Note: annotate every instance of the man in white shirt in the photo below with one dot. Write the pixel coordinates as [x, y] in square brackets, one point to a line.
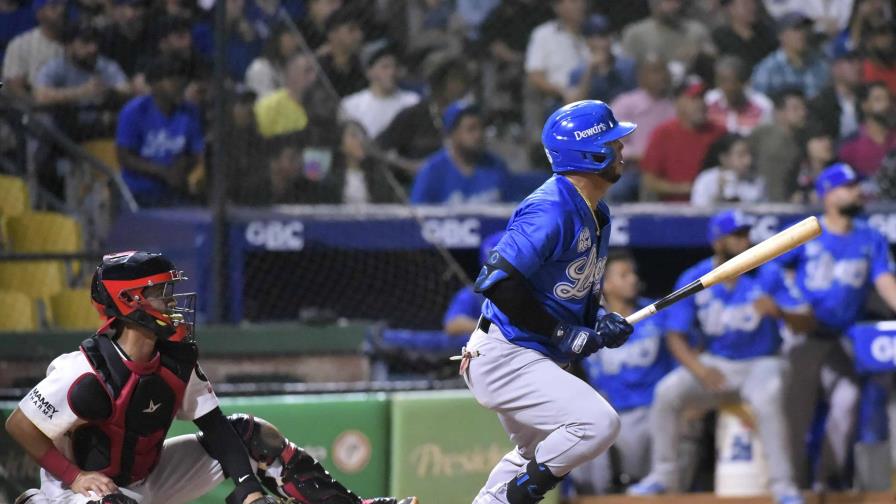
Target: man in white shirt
[375, 106]
[29, 51]
[556, 48]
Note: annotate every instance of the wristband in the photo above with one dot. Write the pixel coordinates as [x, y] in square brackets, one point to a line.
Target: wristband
[56, 464]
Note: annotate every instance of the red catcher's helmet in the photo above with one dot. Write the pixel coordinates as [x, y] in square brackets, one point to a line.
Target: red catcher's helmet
[117, 292]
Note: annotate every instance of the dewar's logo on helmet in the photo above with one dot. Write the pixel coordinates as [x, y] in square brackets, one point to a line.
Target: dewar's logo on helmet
[597, 128]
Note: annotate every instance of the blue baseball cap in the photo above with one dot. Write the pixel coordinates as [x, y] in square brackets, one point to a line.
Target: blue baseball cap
[728, 222]
[835, 175]
[454, 112]
[40, 4]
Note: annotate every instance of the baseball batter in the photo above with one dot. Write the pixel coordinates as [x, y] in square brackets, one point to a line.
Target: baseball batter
[626, 377]
[738, 323]
[836, 272]
[97, 423]
[542, 284]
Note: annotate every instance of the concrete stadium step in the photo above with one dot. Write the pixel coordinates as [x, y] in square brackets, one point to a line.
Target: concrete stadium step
[708, 498]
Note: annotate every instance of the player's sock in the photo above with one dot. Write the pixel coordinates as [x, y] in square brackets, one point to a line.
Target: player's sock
[531, 485]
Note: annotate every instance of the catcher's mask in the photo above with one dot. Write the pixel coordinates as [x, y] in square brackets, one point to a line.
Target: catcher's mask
[138, 288]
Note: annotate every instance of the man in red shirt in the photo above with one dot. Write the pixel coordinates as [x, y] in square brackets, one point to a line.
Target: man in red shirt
[867, 148]
[677, 147]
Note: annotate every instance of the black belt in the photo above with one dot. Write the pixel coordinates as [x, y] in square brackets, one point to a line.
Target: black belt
[484, 324]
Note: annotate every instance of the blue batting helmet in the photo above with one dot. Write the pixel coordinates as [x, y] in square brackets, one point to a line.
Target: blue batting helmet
[577, 136]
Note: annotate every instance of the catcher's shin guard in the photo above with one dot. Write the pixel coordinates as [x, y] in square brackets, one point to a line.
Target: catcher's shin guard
[530, 486]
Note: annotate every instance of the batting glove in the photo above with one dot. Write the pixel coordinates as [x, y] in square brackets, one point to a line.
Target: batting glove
[613, 330]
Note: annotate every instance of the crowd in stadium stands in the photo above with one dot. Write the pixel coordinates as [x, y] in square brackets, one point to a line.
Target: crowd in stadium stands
[334, 101]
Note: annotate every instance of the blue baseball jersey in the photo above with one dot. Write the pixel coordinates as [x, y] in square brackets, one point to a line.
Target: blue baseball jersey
[466, 302]
[627, 375]
[554, 240]
[836, 272]
[724, 318]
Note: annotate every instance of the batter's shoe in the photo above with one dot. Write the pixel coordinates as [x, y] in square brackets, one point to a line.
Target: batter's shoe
[646, 487]
[391, 500]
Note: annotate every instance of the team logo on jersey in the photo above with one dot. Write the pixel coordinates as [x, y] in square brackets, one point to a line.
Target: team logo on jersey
[584, 242]
[584, 274]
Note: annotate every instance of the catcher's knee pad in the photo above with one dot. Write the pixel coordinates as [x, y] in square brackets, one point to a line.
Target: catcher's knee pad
[300, 477]
[530, 486]
[263, 441]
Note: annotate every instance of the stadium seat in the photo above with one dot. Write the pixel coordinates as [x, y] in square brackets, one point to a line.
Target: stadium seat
[18, 312]
[104, 150]
[36, 279]
[13, 195]
[47, 232]
[71, 309]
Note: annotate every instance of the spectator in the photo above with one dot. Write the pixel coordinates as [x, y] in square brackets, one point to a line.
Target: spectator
[648, 106]
[732, 104]
[466, 306]
[176, 41]
[776, 147]
[266, 73]
[745, 34]
[82, 82]
[282, 181]
[835, 107]
[241, 44]
[124, 40]
[505, 34]
[15, 17]
[382, 100]
[668, 34]
[604, 76]
[264, 15]
[416, 132]
[731, 179]
[463, 171]
[828, 18]
[794, 64]
[433, 26]
[284, 111]
[472, 13]
[356, 178]
[677, 147]
[159, 137]
[242, 146]
[876, 135]
[340, 63]
[29, 51]
[556, 48]
[818, 154]
[880, 61]
[313, 25]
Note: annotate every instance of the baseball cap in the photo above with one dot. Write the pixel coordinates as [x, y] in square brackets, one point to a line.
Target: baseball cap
[835, 175]
[40, 4]
[596, 25]
[793, 20]
[453, 113]
[728, 222]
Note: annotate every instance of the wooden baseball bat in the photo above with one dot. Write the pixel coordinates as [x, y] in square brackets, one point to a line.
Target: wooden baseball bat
[753, 257]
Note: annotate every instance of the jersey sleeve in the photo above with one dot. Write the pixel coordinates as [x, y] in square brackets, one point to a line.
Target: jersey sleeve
[199, 398]
[780, 286]
[46, 405]
[680, 316]
[533, 237]
[882, 258]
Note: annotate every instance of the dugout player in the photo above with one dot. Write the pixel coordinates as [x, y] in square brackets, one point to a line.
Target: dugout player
[836, 272]
[542, 284]
[97, 423]
[626, 377]
[738, 323]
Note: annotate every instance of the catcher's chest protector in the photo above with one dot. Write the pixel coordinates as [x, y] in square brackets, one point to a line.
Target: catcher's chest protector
[128, 407]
